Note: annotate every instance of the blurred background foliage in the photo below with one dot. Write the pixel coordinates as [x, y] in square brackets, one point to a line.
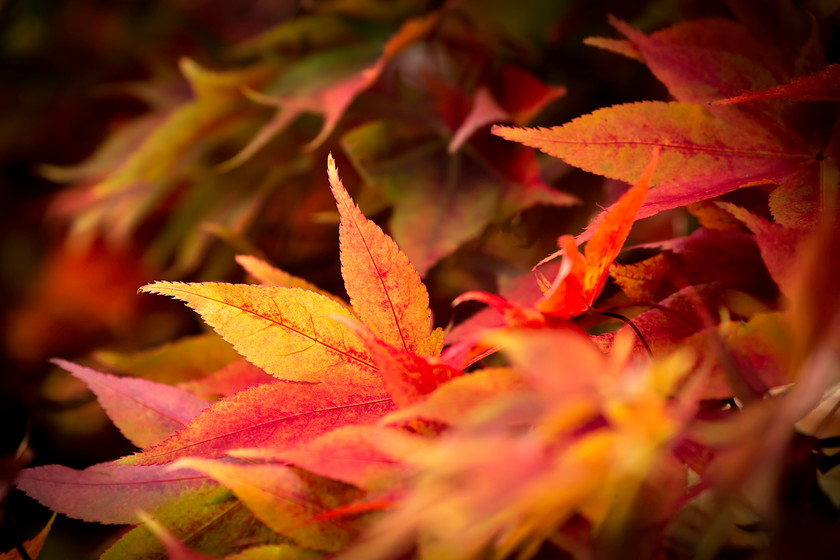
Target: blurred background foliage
[157, 140]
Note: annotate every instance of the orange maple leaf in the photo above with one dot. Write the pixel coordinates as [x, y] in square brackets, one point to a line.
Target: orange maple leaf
[582, 275]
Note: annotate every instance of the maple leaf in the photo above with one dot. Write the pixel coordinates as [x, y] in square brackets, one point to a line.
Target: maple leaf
[296, 334]
[278, 414]
[707, 150]
[333, 99]
[385, 290]
[581, 276]
[288, 332]
[575, 290]
[819, 86]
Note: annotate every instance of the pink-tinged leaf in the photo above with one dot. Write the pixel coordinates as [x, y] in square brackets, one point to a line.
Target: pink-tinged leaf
[288, 332]
[367, 457]
[278, 414]
[271, 276]
[235, 377]
[32, 546]
[384, 288]
[701, 156]
[408, 378]
[144, 411]
[485, 110]
[823, 85]
[455, 403]
[703, 60]
[286, 499]
[107, 492]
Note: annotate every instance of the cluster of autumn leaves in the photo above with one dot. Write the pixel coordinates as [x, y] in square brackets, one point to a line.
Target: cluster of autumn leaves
[354, 429]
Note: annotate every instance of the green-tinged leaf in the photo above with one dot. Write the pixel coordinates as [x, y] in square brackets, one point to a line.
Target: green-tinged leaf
[183, 360]
[384, 288]
[279, 414]
[288, 332]
[287, 500]
[175, 549]
[145, 412]
[209, 520]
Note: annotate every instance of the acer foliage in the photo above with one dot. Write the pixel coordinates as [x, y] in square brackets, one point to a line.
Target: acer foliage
[701, 425]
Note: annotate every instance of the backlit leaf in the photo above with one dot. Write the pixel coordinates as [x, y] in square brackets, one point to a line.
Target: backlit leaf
[702, 156]
[286, 331]
[279, 414]
[819, 86]
[575, 290]
[384, 288]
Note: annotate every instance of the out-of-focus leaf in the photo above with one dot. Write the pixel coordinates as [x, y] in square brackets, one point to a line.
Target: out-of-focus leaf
[176, 362]
[457, 401]
[286, 499]
[367, 457]
[275, 552]
[207, 519]
[145, 412]
[703, 156]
